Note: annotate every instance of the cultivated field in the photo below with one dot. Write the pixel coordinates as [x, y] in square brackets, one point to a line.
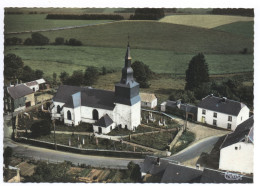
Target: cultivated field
[204, 21]
[31, 22]
[243, 28]
[154, 35]
[78, 58]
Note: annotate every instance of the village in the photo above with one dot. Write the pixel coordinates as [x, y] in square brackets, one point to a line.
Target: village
[126, 133]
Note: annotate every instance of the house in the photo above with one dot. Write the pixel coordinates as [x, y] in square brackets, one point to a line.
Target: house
[180, 109]
[18, 97]
[148, 100]
[36, 85]
[176, 173]
[222, 112]
[216, 176]
[104, 109]
[237, 150]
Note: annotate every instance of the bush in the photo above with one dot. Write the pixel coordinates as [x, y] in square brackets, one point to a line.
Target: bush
[74, 42]
[13, 41]
[59, 41]
[41, 127]
[36, 39]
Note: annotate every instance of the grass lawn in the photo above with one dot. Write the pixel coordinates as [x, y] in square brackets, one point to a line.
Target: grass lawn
[204, 21]
[157, 141]
[78, 58]
[185, 140]
[243, 28]
[90, 142]
[83, 127]
[30, 22]
[153, 35]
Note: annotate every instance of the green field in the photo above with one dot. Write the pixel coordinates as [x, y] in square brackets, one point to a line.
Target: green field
[29, 22]
[154, 35]
[245, 29]
[67, 58]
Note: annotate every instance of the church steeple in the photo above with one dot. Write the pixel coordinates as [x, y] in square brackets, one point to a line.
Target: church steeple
[127, 71]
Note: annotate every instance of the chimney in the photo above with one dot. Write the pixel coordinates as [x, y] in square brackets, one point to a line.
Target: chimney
[158, 161]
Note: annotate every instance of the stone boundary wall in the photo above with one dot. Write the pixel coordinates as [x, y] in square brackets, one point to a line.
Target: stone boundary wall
[174, 141]
[97, 152]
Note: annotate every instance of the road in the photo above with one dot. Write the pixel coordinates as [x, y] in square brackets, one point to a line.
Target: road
[205, 145]
[37, 153]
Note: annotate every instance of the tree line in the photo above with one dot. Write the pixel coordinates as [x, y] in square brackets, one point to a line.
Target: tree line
[234, 11]
[37, 39]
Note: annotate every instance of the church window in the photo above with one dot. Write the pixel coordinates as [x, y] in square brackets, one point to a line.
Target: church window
[95, 114]
[69, 115]
[58, 109]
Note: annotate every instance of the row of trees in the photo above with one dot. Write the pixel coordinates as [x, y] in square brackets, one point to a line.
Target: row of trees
[39, 39]
[14, 69]
[234, 11]
[85, 16]
[148, 14]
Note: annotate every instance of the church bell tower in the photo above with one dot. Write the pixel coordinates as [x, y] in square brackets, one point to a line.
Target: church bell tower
[127, 90]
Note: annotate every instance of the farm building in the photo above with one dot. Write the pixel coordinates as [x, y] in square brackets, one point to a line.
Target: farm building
[222, 112]
[36, 85]
[105, 109]
[18, 97]
[180, 109]
[148, 100]
[236, 152]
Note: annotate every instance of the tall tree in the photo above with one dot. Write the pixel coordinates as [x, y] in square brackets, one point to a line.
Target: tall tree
[142, 73]
[13, 66]
[197, 72]
[63, 77]
[91, 75]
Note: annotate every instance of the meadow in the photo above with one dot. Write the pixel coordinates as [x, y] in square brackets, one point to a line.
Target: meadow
[243, 28]
[154, 35]
[204, 21]
[30, 22]
[68, 58]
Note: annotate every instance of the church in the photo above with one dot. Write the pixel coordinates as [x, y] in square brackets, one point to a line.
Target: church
[104, 109]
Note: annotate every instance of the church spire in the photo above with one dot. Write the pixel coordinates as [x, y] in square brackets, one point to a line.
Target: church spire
[127, 71]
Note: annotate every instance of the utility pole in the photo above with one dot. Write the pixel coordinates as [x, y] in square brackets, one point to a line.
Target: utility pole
[55, 144]
[186, 122]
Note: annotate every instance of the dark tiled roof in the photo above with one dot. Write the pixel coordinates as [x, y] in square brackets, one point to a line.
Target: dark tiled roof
[175, 173]
[215, 176]
[222, 105]
[239, 134]
[19, 91]
[89, 97]
[150, 165]
[190, 108]
[104, 121]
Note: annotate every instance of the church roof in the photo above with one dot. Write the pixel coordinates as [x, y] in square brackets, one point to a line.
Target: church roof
[18, 91]
[104, 121]
[222, 105]
[74, 96]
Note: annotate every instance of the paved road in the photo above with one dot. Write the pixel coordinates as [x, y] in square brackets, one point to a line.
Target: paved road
[59, 156]
[205, 145]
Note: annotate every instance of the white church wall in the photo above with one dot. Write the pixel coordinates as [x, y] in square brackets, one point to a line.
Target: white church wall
[105, 130]
[54, 113]
[237, 157]
[66, 120]
[87, 114]
[122, 115]
[135, 115]
[77, 116]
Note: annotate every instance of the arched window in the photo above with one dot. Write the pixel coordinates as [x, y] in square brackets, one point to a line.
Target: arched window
[58, 109]
[69, 115]
[95, 114]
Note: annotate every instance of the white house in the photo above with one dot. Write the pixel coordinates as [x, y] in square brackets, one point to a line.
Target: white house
[237, 150]
[105, 109]
[148, 100]
[222, 112]
[36, 85]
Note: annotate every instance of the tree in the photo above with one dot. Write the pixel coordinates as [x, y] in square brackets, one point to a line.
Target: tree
[39, 39]
[142, 73]
[13, 41]
[8, 152]
[104, 70]
[28, 41]
[40, 128]
[28, 74]
[38, 74]
[134, 171]
[59, 41]
[54, 78]
[74, 42]
[197, 72]
[91, 75]
[13, 66]
[63, 77]
[76, 79]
